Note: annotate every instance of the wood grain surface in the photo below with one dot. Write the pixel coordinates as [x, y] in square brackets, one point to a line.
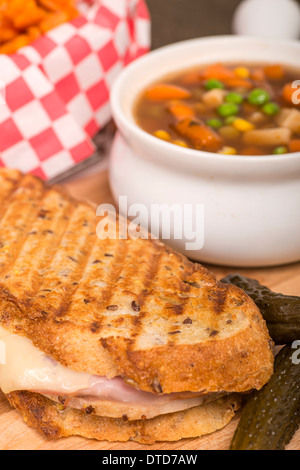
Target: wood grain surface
[15, 435]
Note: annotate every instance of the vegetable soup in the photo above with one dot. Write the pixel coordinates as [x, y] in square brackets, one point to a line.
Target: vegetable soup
[226, 109]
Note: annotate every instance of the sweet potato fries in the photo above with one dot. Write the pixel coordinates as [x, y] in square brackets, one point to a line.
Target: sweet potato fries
[23, 21]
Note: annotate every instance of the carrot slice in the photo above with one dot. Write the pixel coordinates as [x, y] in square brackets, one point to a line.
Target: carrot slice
[274, 72]
[239, 83]
[201, 136]
[163, 92]
[294, 146]
[191, 78]
[219, 72]
[258, 75]
[181, 111]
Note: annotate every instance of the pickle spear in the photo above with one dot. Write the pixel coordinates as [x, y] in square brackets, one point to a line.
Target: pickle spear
[281, 312]
[272, 415]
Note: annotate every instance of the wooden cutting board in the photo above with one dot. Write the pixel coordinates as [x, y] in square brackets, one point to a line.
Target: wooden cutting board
[15, 435]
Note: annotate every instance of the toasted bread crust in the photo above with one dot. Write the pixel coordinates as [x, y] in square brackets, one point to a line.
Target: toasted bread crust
[130, 308]
[237, 363]
[47, 417]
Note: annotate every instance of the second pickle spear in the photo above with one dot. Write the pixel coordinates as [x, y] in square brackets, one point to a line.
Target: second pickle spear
[272, 416]
[281, 312]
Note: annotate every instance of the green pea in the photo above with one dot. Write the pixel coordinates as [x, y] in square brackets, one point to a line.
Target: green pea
[234, 98]
[259, 97]
[215, 123]
[228, 109]
[230, 120]
[271, 109]
[213, 84]
[280, 151]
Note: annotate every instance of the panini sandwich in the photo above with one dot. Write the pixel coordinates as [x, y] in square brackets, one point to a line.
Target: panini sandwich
[118, 339]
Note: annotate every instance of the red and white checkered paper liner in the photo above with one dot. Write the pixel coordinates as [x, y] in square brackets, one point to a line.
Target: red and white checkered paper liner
[55, 92]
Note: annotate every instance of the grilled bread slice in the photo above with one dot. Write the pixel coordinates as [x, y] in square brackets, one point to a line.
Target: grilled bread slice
[54, 422]
[129, 308]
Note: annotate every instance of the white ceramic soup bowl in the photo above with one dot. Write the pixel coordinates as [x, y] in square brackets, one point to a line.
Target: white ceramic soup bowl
[251, 204]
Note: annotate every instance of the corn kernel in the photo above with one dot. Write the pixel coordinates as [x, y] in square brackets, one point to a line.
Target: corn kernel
[242, 125]
[242, 72]
[229, 133]
[163, 135]
[228, 151]
[180, 143]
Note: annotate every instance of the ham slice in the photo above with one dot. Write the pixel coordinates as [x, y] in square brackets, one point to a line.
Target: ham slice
[114, 398]
[27, 368]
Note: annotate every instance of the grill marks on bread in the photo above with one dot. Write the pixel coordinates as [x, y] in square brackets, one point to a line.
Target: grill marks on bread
[62, 275]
